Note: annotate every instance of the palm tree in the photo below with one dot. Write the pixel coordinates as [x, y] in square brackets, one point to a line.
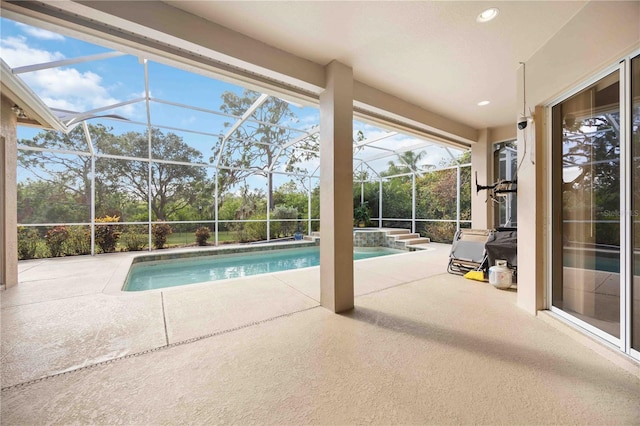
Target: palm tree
[409, 163]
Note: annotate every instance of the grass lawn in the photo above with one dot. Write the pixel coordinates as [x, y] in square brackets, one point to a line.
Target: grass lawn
[182, 238]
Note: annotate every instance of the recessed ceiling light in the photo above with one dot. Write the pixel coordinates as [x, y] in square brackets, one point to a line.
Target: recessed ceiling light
[488, 15]
[483, 103]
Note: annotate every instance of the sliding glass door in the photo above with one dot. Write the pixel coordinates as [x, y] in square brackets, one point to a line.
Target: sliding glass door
[586, 143]
[595, 244]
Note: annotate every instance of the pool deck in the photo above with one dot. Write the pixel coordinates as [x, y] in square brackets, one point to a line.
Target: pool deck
[421, 346]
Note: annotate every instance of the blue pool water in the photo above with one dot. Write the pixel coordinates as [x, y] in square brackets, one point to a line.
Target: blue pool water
[177, 272]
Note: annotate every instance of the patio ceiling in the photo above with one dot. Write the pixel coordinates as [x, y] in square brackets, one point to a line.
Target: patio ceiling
[431, 54]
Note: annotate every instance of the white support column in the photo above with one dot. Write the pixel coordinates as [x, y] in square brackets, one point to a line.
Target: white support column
[481, 166]
[531, 217]
[8, 197]
[336, 196]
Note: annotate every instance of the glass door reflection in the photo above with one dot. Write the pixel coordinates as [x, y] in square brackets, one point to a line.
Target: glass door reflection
[586, 144]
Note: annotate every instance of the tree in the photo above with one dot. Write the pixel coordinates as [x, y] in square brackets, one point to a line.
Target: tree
[591, 148]
[408, 163]
[69, 174]
[173, 186]
[255, 147]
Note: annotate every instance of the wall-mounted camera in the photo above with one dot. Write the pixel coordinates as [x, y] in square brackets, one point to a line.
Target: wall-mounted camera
[523, 121]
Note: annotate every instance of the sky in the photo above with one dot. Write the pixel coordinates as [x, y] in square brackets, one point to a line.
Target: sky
[85, 86]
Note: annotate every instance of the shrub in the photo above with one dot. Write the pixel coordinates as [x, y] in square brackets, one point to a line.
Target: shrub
[27, 243]
[107, 236]
[255, 231]
[55, 239]
[283, 229]
[79, 241]
[159, 233]
[202, 235]
[134, 238]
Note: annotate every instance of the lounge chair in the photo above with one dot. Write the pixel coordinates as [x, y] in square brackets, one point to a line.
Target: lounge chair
[468, 251]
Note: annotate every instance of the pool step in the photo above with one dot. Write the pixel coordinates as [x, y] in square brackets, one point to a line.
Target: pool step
[315, 237]
[406, 243]
[405, 236]
[397, 231]
[414, 241]
[417, 247]
[396, 238]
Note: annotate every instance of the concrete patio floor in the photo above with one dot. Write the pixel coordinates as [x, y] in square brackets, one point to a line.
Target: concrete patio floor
[421, 346]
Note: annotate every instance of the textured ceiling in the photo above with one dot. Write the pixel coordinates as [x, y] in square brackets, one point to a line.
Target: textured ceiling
[432, 54]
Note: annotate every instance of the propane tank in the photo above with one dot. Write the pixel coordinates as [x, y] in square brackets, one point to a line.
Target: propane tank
[500, 275]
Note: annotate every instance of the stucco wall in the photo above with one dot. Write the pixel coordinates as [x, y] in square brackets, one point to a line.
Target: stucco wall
[8, 216]
[596, 38]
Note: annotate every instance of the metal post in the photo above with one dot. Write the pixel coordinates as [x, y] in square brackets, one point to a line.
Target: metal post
[149, 147]
[309, 207]
[268, 207]
[93, 205]
[458, 198]
[380, 206]
[413, 202]
[361, 192]
[215, 209]
[508, 176]
[149, 194]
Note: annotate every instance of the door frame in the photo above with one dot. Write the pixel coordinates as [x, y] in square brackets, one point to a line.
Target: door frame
[623, 344]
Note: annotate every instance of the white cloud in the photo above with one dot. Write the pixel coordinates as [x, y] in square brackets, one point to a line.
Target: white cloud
[16, 53]
[39, 32]
[65, 88]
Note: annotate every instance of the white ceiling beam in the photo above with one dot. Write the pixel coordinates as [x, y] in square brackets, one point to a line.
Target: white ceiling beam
[371, 100]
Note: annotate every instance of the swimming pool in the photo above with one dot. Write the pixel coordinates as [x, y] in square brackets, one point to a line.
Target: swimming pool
[177, 272]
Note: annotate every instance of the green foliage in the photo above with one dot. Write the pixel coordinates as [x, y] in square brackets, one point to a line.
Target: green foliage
[134, 238]
[436, 194]
[230, 205]
[159, 233]
[283, 229]
[407, 163]
[241, 153]
[292, 195]
[173, 186]
[254, 231]
[202, 235]
[107, 236]
[396, 197]
[361, 214]
[79, 241]
[55, 239]
[27, 243]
